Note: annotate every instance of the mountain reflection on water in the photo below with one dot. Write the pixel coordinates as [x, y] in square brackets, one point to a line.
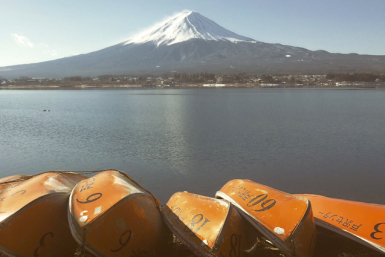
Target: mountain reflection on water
[328, 142]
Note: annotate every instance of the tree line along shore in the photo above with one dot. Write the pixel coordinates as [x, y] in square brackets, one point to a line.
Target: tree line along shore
[183, 80]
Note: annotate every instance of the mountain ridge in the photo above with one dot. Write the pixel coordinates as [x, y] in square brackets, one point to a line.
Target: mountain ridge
[190, 42]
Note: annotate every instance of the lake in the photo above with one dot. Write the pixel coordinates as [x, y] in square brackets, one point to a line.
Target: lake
[321, 141]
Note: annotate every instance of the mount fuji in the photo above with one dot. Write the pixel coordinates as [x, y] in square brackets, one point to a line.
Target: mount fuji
[186, 26]
[190, 42]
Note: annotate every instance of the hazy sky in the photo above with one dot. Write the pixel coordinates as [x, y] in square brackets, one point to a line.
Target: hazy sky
[40, 30]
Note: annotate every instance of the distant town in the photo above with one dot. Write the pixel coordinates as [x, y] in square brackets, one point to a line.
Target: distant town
[201, 80]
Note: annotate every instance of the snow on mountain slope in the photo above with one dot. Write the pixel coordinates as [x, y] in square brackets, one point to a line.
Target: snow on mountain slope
[184, 26]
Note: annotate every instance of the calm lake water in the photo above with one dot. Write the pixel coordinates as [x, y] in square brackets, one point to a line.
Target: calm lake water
[328, 142]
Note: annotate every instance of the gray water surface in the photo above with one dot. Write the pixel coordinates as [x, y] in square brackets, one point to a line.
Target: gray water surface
[320, 141]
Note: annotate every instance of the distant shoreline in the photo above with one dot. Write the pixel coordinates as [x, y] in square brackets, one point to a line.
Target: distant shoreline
[192, 86]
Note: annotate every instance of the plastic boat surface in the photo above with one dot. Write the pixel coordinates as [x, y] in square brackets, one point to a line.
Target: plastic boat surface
[285, 220]
[33, 220]
[12, 180]
[362, 222]
[209, 226]
[111, 215]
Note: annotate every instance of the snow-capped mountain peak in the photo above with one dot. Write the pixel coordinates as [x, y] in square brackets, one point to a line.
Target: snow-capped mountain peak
[184, 26]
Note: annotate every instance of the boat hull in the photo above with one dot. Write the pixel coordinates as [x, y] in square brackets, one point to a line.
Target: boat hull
[39, 229]
[285, 220]
[208, 226]
[33, 216]
[111, 215]
[363, 223]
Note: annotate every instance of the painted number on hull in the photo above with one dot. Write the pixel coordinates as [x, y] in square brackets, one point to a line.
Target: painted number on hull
[91, 198]
[235, 243]
[42, 243]
[260, 199]
[196, 220]
[252, 200]
[376, 234]
[123, 240]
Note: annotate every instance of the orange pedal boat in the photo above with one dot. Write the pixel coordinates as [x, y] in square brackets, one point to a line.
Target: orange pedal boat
[111, 215]
[363, 223]
[12, 180]
[33, 220]
[285, 220]
[209, 226]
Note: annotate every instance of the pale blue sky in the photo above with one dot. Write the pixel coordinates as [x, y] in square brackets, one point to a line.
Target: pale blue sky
[40, 30]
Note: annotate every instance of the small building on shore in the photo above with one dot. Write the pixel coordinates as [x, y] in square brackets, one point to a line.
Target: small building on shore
[225, 79]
